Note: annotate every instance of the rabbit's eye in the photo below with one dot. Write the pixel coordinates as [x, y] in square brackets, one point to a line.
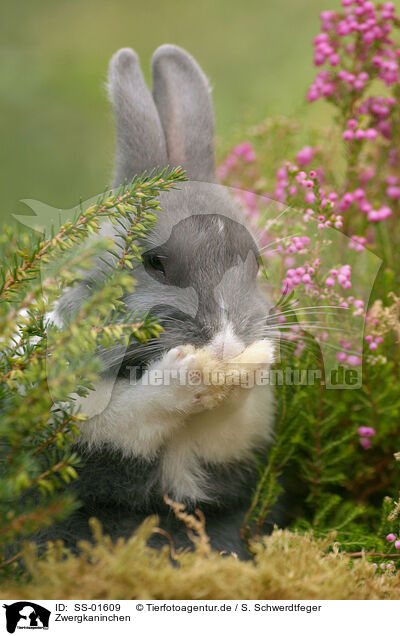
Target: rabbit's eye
[154, 265]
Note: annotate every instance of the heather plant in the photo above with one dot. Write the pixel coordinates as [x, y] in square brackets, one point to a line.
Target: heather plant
[43, 369]
[340, 444]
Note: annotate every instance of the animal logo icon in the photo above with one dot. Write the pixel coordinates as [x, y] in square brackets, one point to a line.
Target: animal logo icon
[26, 615]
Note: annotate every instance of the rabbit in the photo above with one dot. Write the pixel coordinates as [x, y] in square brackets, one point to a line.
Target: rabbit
[199, 279]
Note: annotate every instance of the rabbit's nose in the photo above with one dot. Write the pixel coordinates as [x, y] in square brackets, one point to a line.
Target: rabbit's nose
[225, 344]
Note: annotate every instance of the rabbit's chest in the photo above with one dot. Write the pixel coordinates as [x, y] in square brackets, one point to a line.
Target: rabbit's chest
[223, 437]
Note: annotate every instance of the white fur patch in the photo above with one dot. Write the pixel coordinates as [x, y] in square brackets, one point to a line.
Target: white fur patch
[188, 423]
[228, 433]
[226, 344]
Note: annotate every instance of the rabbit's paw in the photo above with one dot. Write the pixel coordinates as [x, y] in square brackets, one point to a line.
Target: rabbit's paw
[191, 372]
[177, 362]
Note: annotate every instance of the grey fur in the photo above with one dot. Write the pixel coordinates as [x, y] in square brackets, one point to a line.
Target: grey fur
[210, 261]
[121, 493]
[176, 127]
[183, 98]
[212, 278]
[140, 139]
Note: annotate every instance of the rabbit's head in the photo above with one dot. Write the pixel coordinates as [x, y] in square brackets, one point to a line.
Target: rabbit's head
[200, 261]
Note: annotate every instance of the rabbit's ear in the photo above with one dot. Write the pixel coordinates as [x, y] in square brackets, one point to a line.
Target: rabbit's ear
[140, 139]
[183, 98]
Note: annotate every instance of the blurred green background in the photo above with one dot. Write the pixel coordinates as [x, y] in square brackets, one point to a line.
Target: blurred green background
[56, 125]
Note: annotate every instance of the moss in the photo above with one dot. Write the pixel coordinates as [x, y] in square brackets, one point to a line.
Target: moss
[286, 565]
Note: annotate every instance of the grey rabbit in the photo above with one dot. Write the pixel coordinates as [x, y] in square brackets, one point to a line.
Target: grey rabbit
[199, 279]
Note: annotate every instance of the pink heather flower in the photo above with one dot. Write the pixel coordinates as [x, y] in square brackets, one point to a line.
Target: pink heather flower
[390, 537]
[346, 201]
[357, 243]
[371, 133]
[367, 174]
[246, 151]
[327, 89]
[341, 356]
[359, 194]
[352, 124]
[393, 192]
[347, 135]
[376, 61]
[380, 215]
[397, 545]
[222, 171]
[305, 155]
[365, 207]
[330, 282]
[306, 279]
[385, 129]
[354, 361]
[281, 173]
[321, 37]
[366, 444]
[384, 212]
[313, 93]
[343, 28]
[309, 197]
[289, 261]
[366, 431]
